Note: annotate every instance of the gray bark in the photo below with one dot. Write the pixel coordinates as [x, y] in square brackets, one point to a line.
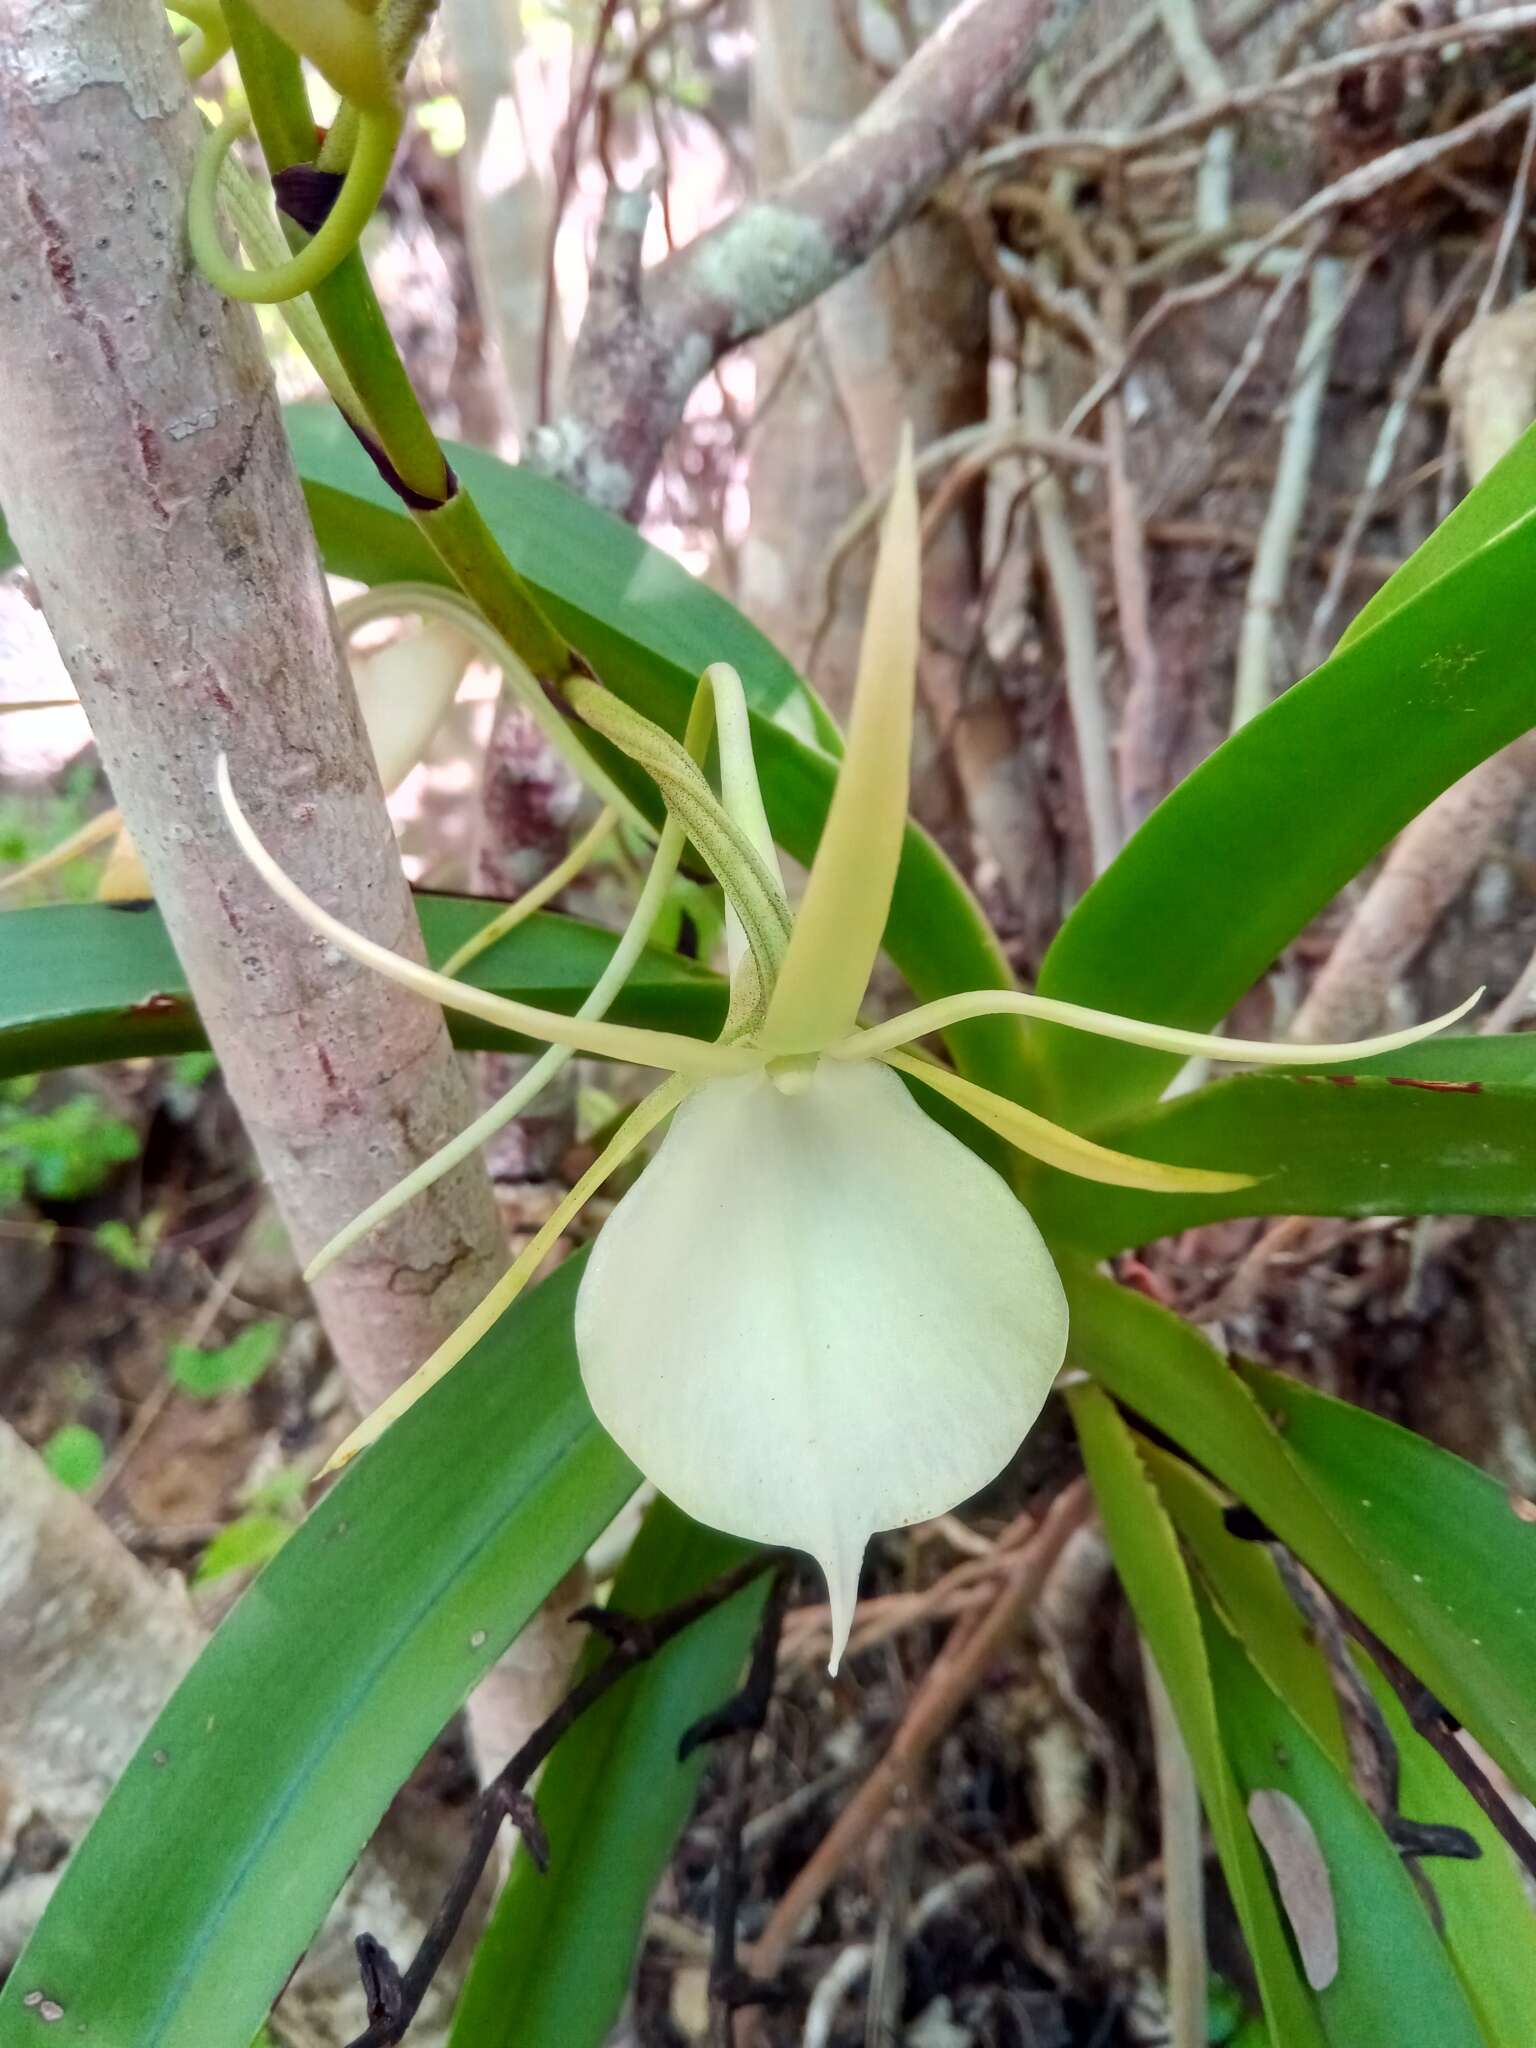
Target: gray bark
[145, 474]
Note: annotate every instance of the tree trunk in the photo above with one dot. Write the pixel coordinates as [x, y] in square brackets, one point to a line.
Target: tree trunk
[149, 487]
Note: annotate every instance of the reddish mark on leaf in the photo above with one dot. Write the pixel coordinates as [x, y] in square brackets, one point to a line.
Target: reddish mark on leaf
[1436, 1087]
[156, 1006]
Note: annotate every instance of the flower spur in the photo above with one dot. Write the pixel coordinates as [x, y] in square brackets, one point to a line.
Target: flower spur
[816, 1314]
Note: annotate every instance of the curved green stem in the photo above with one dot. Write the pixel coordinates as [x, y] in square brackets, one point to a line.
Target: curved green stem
[740, 791]
[377, 133]
[262, 239]
[753, 890]
[209, 39]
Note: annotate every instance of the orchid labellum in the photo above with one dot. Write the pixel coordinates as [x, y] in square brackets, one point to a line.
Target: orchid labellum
[816, 1314]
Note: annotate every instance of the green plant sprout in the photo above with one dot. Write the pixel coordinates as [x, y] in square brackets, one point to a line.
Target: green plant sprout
[816, 1314]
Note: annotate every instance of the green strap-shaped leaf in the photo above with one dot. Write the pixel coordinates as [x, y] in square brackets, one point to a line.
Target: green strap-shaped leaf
[1395, 1983]
[221, 1847]
[1321, 1145]
[98, 981]
[1345, 1522]
[1244, 1582]
[1489, 1927]
[555, 1962]
[1252, 845]
[1501, 500]
[1152, 1570]
[1441, 1537]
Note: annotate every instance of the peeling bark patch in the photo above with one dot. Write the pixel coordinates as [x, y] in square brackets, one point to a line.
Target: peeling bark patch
[426, 1280]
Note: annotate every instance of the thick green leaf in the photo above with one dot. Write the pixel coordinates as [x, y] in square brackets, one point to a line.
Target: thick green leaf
[96, 981]
[1489, 1926]
[1237, 860]
[1490, 1929]
[1442, 1538]
[649, 628]
[226, 1838]
[1395, 1982]
[1340, 1145]
[1345, 1516]
[1503, 498]
[1244, 1582]
[1157, 1585]
[553, 1966]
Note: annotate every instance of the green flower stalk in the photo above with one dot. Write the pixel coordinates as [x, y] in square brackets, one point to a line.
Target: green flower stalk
[816, 1314]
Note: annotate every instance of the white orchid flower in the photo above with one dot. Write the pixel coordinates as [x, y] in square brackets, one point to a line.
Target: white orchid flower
[816, 1314]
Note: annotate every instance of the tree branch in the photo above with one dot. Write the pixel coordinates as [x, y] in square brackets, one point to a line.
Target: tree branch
[637, 359]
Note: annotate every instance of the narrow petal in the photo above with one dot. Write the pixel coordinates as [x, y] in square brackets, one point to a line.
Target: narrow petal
[1258, 1052]
[543, 891]
[1055, 1146]
[817, 1315]
[665, 1049]
[637, 1126]
[842, 915]
[740, 790]
[531, 1084]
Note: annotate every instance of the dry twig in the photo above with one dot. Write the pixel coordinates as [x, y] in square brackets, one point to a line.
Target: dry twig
[946, 1687]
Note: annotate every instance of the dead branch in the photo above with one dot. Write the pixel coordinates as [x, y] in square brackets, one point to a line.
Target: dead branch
[394, 1996]
[641, 353]
[949, 1683]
